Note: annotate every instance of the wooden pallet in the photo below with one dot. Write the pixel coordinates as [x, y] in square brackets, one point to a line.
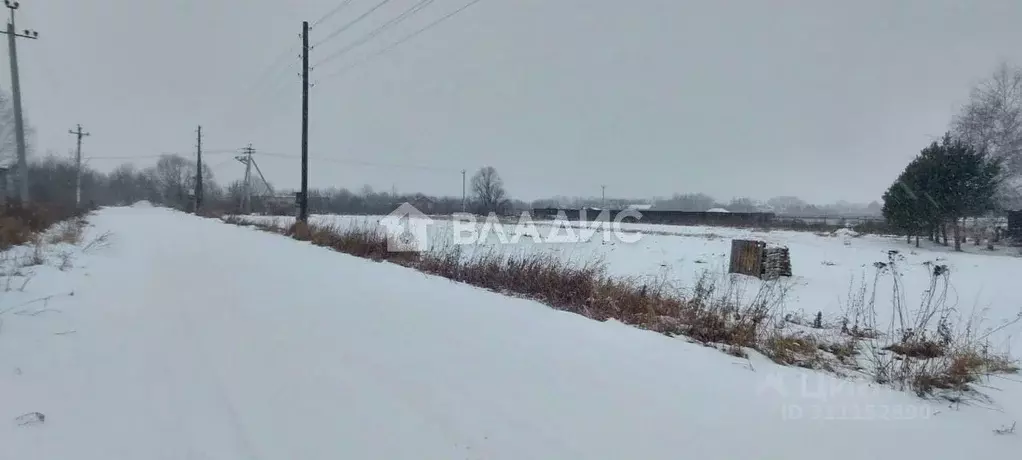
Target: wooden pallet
[754, 258]
[747, 257]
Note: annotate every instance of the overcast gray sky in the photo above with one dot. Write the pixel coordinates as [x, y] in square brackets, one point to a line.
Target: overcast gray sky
[823, 99]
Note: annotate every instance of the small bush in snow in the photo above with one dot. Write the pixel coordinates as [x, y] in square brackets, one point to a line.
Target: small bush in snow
[927, 349]
[20, 224]
[69, 231]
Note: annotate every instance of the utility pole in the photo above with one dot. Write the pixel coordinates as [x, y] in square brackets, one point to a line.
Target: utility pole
[246, 197]
[303, 206]
[78, 165]
[19, 124]
[198, 169]
[603, 199]
[464, 197]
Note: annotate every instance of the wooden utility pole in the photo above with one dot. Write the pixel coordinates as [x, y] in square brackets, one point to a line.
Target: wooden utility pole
[198, 169]
[603, 197]
[19, 124]
[303, 205]
[464, 197]
[78, 165]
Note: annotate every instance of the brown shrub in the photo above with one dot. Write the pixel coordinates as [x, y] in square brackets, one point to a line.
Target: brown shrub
[213, 212]
[69, 231]
[369, 243]
[845, 351]
[793, 349]
[919, 349]
[13, 232]
[19, 224]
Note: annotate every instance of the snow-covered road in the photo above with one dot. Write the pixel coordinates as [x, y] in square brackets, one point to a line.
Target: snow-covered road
[188, 338]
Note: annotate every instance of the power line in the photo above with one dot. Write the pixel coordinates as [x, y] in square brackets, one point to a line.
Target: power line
[411, 11]
[347, 26]
[267, 75]
[144, 157]
[219, 164]
[279, 59]
[365, 163]
[332, 12]
[398, 43]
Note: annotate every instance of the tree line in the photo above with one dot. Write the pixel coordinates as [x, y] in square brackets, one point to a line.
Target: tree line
[171, 183]
[975, 170]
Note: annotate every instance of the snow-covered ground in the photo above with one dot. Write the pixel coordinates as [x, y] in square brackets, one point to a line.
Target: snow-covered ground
[186, 338]
[826, 268]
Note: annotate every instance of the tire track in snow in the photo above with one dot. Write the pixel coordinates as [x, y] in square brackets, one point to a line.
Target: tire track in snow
[182, 306]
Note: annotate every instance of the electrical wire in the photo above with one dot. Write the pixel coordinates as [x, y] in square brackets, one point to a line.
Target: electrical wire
[363, 162]
[332, 12]
[280, 58]
[347, 26]
[398, 43]
[411, 11]
[273, 80]
[221, 163]
[143, 157]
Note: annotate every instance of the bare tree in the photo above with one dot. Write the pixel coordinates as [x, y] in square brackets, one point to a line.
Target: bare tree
[8, 141]
[207, 177]
[488, 188]
[992, 122]
[174, 174]
[743, 204]
[8, 137]
[695, 202]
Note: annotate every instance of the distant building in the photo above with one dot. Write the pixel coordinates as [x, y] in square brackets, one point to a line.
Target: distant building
[640, 207]
[423, 203]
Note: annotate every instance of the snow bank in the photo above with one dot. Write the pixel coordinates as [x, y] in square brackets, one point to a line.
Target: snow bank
[845, 233]
[142, 204]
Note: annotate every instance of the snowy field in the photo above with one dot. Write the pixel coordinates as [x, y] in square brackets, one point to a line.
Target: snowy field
[187, 338]
[827, 268]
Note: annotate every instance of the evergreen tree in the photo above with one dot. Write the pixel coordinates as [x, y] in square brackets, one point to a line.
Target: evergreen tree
[948, 181]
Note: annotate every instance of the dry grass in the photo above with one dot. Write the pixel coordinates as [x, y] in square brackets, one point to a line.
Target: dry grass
[794, 350]
[14, 232]
[66, 260]
[927, 348]
[38, 256]
[69, 231]
[919, 349]
[361, 241]
[845, 351]
[19, 224]
[957, 371]
[716, 312]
